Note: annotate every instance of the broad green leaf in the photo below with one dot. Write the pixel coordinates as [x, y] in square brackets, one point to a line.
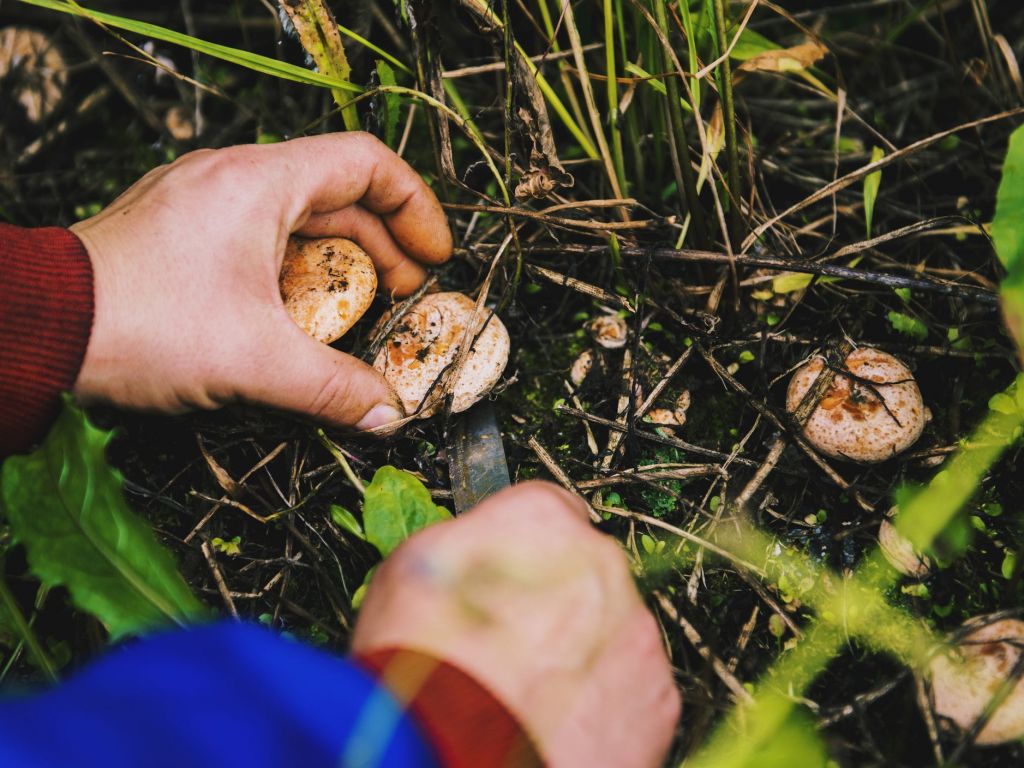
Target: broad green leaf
[66, 505]
[908, 325]
[1008, 223]
[395, 507]
[390, 103]
[871, 184]
[1008, 235]
[347, 521]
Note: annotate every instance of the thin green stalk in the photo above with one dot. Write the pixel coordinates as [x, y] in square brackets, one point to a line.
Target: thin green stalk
[679, 142]
[724, 76]
[25, 633]
[563, 72]
[612, 86]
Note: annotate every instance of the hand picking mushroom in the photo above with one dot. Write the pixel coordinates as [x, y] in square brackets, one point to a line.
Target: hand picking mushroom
[419, 354]
[965, 681]
[327, 284]
[897, 549]
[868, 416]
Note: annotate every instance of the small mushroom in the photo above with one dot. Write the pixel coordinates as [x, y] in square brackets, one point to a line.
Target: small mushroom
[664, 418]
[965, 681]
[869, 418]
[682, 406]
[581, 367]
[37, 67]
[610, 331]
[897, 549]
[418, 354]
[327, 284]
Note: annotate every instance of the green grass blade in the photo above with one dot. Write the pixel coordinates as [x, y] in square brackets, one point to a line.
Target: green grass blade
[254, 61]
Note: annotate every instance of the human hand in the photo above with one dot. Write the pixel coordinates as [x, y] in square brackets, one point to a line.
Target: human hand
[522, 594]
[188, 312]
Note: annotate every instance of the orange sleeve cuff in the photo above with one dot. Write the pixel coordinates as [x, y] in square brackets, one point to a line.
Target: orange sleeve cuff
[466, 724]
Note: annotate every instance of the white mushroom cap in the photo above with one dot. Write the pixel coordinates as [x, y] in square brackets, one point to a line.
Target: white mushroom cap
[851, 421]
[418, 355]
[963, 683]
[610, 331]
[581, 367]
[327, 284]
[897, 549]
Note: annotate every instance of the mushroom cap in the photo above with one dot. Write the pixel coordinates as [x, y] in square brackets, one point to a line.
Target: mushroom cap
[42, 73]
[581, 367]
[327, 284]
[962, 687]
[418, 354]
[851, 421]
[610, 331]
[664, 418]
[897, 549]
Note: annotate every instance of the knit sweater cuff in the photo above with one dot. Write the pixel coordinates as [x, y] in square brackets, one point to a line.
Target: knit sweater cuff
[46, 312]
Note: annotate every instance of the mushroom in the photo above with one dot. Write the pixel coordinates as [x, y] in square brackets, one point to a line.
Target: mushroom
[674, 417]
[664, 417]
[897, 549]
[327, 284]
[965, 681]
[610, 331]
[418, 356]
[39, 69]
[868, 418]
[581, 367]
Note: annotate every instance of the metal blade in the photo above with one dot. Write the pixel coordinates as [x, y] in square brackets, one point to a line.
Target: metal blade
[476, 457]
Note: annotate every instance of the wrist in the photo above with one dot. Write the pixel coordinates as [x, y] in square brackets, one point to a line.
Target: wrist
[46, 316]
[468, 726]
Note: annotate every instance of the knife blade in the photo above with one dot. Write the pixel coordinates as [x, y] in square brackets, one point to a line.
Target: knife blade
[476, 456]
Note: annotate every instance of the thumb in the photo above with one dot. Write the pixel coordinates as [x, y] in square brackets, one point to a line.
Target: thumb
[298, 373]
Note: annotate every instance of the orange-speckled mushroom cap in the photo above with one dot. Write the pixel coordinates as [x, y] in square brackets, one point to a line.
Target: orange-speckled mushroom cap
[327, 284]
[851, 421]
[420, 352]
[964, 682]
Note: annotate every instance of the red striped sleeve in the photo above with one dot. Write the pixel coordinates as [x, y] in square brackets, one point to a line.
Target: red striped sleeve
[466, 724]
[46, 310]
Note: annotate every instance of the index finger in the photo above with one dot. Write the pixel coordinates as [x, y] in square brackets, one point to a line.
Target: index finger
[328, 173]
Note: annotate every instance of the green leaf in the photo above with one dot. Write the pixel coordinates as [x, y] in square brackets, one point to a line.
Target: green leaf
[227, 546]
[908, 325]
[871, 184]
[66, 505]
[1008, 223]
[390, 104]
[788, 282]
[347, 521]
[396, 506]
[1008, 235]
[1009, 564]
[1003, 403]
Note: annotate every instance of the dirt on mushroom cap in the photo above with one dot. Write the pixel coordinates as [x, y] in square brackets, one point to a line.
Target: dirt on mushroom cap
[418, 356]
[961, 688]
[870, 419]
[327, 284]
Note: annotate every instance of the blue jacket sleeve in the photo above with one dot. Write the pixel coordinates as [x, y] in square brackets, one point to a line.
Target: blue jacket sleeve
[223, 694]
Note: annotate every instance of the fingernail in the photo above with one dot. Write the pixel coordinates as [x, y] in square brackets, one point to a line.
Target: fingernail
[378, 416]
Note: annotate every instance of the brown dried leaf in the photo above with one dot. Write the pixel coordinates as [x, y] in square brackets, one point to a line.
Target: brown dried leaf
[786, 59]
